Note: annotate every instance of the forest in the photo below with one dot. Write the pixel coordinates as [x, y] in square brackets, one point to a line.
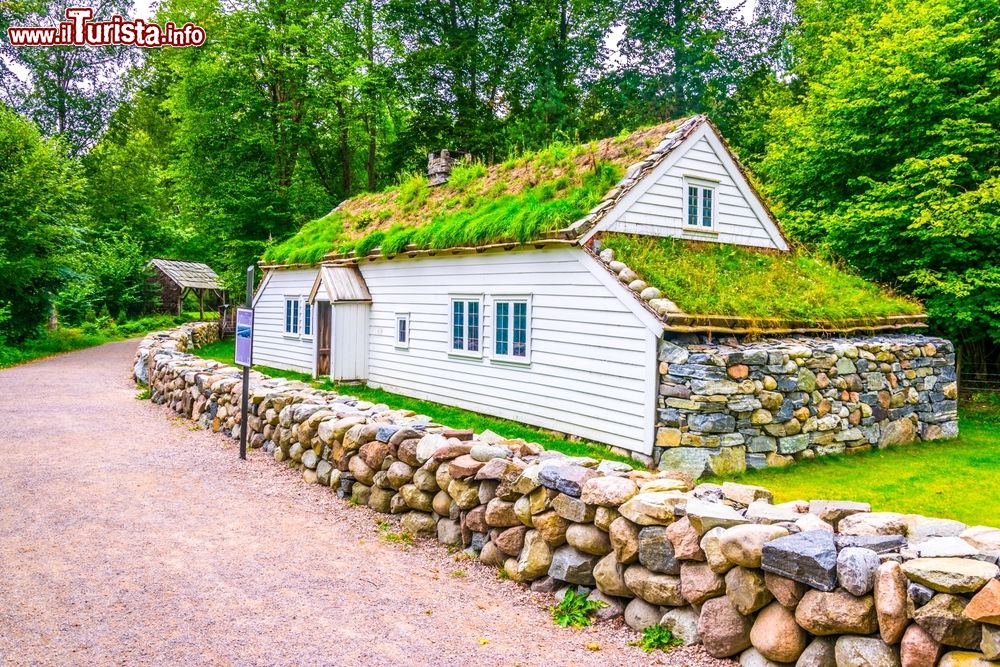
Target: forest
[871, 125]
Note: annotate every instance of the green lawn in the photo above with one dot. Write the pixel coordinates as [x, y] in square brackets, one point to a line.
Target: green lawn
[443, 414]
[76, 338]
[956, 479]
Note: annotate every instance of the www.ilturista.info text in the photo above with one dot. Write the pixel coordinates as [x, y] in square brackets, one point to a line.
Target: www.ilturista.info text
[79, 30]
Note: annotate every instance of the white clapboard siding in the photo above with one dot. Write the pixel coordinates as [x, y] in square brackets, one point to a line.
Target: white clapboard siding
[271, 347]
[656, 206]
[592, 368]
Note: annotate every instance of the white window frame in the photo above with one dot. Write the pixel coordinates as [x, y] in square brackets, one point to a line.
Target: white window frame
[307, 335]
[465, 351]
[702, 184]
[402, 317]
[510, 357]
[296, 321]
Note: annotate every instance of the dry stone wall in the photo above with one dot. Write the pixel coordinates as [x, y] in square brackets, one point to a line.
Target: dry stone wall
[727, 406]
[811, 583]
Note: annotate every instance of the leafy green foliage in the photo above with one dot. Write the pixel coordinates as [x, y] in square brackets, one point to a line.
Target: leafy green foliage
[716, 279]
[887, 154]
[657, 638]
[575, 610]
[41, 213]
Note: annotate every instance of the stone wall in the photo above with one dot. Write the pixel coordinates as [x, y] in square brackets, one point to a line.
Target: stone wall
[727, 406]
[814, 583]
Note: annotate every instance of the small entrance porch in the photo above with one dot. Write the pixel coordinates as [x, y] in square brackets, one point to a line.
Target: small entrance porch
[342, 304]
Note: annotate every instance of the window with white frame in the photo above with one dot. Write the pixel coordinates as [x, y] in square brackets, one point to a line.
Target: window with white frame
[512, 329]
[292, 316]
[402, 329]
[701, 204]
[307, 318]
[466, 325]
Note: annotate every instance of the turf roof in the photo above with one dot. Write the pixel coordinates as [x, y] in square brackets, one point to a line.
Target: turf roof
[729, 280]
[519, 200]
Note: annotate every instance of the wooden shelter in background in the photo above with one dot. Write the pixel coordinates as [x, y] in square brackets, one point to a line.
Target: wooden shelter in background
[177, 278]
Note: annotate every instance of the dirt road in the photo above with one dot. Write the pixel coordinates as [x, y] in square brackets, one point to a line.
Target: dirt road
[128, 537]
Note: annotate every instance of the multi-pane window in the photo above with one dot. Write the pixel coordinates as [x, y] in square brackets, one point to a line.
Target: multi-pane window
[511, 322]
[292, 316]
[465, 325]
[307, 321]
[700, 206]
[402, 330]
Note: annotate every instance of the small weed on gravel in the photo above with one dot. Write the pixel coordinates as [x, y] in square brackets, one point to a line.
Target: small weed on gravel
[657, 637]
[388, 535]
[575, 610]
[458, 574]
[144, 392]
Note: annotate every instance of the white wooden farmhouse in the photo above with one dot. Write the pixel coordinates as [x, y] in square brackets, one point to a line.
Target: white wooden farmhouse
[540, 330]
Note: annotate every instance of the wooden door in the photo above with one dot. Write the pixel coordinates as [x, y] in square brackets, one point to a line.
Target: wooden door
[323, 329]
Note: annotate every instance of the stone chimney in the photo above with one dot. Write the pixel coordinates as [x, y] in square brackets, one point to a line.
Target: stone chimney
[439, 165]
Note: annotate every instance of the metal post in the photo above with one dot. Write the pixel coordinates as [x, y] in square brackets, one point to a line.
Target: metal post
[245, 403]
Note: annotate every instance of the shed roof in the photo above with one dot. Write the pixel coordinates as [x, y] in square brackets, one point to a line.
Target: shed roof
[340, 283]
[194, 275]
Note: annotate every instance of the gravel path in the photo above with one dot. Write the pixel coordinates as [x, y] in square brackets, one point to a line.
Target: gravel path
[128, 537]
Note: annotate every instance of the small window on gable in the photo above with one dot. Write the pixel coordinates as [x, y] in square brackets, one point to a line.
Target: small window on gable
[292, 315]
[512, 326]
[307, 323]
[466, 326]
[700, 205]
[402, 329]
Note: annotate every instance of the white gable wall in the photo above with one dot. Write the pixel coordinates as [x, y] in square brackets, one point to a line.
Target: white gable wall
[592, 371]
[271, 347]
[657, 206]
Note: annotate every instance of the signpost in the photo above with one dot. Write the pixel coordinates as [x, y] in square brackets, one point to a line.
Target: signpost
[244, 357]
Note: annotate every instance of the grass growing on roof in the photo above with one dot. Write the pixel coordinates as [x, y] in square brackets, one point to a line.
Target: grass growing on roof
[519, 200]
[722, 279]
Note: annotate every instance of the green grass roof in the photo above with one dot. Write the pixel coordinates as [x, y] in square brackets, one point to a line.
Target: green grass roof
[519, 200]
[727, 280]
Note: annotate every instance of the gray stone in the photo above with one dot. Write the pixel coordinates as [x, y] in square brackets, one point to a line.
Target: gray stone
[568, 479]
[943, 619]
[856, 569]
[683, 624]
[485, 453]
[640, 614]
[853, 651]
[821, 652]
[705, 516]
[573, 566]
[449, 532]
[656, 551]
[610, 609]
[808, 557]
[880, 544]
[712, 423]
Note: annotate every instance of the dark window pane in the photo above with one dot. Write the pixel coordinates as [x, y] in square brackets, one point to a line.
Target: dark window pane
[692, 205]
[473, 333]
[458, 325]
[706, 209]
[502, 327]
[520, 329]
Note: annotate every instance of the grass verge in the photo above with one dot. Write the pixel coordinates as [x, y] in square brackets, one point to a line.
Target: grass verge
[443, 414]
[90, 334]
[950, 479]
